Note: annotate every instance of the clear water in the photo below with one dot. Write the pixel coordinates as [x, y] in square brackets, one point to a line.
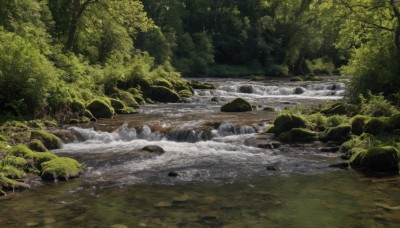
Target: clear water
[222, 180]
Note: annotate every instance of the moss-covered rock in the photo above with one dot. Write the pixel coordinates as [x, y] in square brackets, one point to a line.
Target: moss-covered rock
[41, 157]
[237, 105]
[185, 93]
[128, 98]
[22, 151]
[335, 109]
[375, 126]
[18, 162]
[199, 85]
[286, 121]
[298, 135]
[358, 124]
[8, 184]
[37, 145]
[393, 123]
[100, 109]
[163, 82]
[117, 104]
[318, 120]
[339, 134]
[163, 94]
[384, 158]
[12, 172]
[49, 140]
[61, 169]
[89, 115]
[77, 106]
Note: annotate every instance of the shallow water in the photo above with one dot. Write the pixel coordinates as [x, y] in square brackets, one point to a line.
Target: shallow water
[222, 179]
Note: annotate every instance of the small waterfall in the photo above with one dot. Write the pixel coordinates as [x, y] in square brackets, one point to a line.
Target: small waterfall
[308, 90]
[181, 134]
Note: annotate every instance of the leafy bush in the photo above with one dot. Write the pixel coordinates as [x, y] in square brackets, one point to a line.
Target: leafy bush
[376, 105]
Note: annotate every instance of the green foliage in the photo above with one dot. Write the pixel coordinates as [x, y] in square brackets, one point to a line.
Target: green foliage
[376, 106]
[25, 75]
[340, 133]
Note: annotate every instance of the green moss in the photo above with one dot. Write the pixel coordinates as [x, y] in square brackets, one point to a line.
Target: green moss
[14, 161]
[84, 119]
[375, 125]
[340, 133]
[50, 123]
[127, 98]
[237, 105]
[49, 140]
[385, 158]
[41, 157]
[393, 123]
[185, 93]
[100, 109]
[12, 172]
[77, 106]
[298, 135]
[163, 82]
[139, 99]
[135, 91]
[335, 109]
[336, 120]
[8, 184]
[358, 124]
[21, 151]
[127, 110]
[74, 121]
[117, 104]
[163, 94]
[3, 138]
[37, 145]
[318, 120]
[61, 169]
[88, 114]
[286, 121]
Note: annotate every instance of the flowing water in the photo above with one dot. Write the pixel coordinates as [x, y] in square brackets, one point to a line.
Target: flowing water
[212, 174]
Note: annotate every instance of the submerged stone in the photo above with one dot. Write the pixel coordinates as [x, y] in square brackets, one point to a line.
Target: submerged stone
[154, 149]
[237, 105]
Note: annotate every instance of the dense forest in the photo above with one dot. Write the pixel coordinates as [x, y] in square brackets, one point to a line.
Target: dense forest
[57, 52]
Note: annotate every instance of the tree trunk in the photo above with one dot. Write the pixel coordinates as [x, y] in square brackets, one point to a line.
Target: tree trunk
[78, 10]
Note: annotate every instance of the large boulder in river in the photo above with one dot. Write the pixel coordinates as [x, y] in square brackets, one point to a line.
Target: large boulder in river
[358, 124]
[384, 158]
[246, 89]
[375, 126]
[100, 109]
[237, 105]
[286, 121]
[337, 134]
[163, 94]
[154, 149]
[61, 169]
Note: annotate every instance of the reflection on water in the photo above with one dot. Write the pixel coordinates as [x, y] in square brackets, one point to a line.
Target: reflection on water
[332, 199]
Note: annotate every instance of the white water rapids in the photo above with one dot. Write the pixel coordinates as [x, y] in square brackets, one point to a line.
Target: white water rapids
[194, 150]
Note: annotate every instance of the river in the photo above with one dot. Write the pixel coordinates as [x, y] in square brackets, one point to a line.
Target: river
[210, 175]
